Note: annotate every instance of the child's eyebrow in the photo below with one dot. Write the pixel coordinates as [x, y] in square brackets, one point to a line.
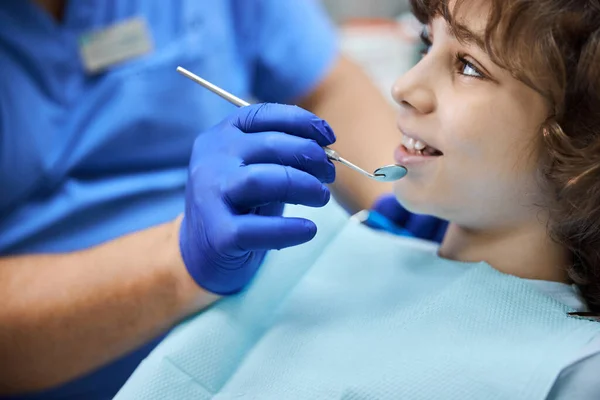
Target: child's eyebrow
[465, 35]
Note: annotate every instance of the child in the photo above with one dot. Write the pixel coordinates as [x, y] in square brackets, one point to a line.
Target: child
[500, 125]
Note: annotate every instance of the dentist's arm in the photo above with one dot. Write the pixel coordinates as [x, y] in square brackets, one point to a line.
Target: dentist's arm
[364, 123]
[65, 315]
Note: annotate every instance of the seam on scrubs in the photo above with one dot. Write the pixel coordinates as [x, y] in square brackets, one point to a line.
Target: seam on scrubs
[312, 82]
[300, 77]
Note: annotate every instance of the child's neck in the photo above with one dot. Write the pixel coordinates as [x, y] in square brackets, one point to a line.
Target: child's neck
[526, 252]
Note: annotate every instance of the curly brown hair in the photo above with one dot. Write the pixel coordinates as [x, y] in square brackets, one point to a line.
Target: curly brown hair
[553, 46]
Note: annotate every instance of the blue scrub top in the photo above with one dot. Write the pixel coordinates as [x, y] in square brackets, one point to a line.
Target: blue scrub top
[87, 158]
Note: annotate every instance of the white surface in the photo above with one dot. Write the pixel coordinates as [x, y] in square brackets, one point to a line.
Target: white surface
[342, 10]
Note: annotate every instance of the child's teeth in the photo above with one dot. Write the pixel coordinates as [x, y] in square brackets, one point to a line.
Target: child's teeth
[415, 146]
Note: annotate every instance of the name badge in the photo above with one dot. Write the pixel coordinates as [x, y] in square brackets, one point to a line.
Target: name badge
[117, 43]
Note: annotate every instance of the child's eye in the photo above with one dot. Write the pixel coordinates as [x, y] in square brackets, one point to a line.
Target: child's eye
[467, 68]
[426, 42]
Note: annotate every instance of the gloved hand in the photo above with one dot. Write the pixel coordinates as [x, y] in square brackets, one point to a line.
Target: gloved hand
[241, 174]
[420, 226]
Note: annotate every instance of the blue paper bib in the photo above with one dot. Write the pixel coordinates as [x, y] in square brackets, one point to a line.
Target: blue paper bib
[360, 314]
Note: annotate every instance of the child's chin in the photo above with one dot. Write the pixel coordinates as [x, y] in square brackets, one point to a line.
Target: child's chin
[408, 202]
[412, 202]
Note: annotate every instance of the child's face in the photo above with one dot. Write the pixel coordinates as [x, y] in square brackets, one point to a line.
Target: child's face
[486, 124]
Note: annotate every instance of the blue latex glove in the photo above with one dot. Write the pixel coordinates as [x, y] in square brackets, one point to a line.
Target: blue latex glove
[241, 174]
[389, 215]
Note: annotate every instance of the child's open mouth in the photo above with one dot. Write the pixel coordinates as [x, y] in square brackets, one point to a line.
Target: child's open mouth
[412, 152]
[417, 147]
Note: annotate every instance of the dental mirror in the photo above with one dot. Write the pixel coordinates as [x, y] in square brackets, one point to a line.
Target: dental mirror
[388, 173]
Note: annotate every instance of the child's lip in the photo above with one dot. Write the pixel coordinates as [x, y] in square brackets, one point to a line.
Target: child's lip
[403, 157]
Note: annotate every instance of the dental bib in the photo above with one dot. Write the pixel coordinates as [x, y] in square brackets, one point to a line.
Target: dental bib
[360, 314]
